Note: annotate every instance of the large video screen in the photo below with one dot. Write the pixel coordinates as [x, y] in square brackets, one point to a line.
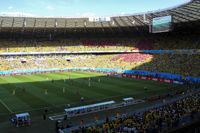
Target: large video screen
[161, 24]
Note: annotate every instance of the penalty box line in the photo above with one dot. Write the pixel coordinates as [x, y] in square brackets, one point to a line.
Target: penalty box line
[6, 106]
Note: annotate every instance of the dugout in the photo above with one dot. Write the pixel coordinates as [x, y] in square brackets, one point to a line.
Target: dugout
[127, 101]
[20, 120]
[89, 108]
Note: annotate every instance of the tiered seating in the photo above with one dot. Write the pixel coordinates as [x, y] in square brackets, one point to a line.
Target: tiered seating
[176, 64]
[137, 57]
[4, 65]
[65, 45]
[158, 119]
[176, 42]
[100, 44]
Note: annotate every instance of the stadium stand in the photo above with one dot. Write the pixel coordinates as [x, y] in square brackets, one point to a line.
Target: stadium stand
[159, 119]
[123, 43]
[151, 42]
[176, 62]
[186, 65]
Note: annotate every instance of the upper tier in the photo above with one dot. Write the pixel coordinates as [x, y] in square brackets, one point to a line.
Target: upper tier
[161, 42]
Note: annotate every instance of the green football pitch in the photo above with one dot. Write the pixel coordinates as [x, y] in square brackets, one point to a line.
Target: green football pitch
[22, 93]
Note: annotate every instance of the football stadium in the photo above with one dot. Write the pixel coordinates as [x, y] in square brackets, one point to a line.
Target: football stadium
[127, 73]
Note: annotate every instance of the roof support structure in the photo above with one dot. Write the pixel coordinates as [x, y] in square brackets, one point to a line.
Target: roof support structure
[34, 24]
[1, 24]
[118, 25]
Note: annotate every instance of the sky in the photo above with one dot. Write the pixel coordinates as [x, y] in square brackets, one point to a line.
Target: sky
[82, 8]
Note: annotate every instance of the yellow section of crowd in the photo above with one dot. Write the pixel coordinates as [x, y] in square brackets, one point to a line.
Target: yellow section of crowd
[70, 61]
[66, 45]
[157, 119]
[170, 63]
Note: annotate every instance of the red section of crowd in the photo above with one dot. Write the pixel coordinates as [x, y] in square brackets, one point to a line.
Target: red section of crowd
[136, 57]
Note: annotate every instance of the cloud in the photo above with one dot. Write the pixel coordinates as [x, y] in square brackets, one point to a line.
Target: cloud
[122, 13]
[49, 7]
[10, 7]
[17, 14]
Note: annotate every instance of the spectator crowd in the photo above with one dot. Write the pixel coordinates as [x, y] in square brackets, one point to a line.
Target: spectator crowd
[159, 119]
[184, 64]
[176, 63]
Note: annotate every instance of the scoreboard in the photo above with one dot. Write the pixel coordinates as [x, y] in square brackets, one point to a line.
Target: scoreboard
[161, 24]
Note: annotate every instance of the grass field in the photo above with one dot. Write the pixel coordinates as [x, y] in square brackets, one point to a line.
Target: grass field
[34, 92]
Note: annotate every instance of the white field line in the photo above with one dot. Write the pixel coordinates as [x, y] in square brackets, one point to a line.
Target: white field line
[5, 105]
